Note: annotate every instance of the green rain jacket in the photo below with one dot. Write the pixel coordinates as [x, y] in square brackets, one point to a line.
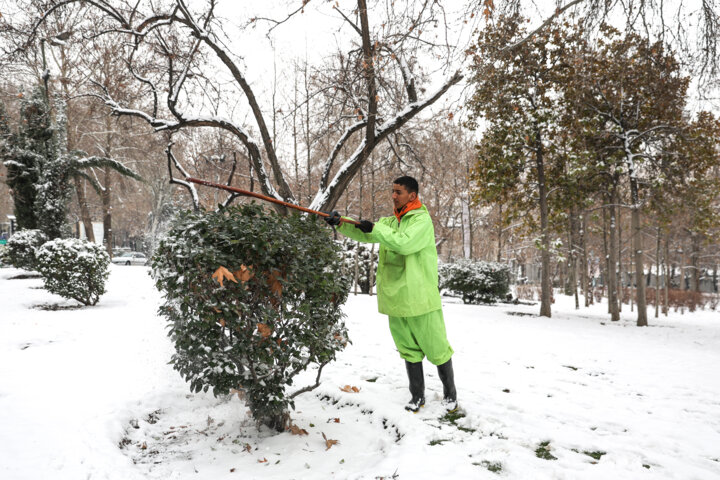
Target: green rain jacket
[407, 272]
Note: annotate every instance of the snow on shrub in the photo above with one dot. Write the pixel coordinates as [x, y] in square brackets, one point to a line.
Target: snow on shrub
[253, 299]
[356, 259]
[475, 281]
[22, 247]
[74, 268]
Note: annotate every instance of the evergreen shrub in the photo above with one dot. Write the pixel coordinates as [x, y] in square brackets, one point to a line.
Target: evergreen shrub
[475, 281]
[74, 268]
[21, 249]
[354, 251]
[253, 299]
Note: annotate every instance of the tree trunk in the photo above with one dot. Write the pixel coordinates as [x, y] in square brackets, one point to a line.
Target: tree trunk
[107, 212]
[572, 265]
[631, 286]
[584, 262]
[621, 273]
[84, 211]
[694, 262]
[307, 136]
[545, 286]
[295, 135]
[666, 300]
[638, 253]
[466, 227]
[606, 257]
[499, 233]
[657, 275]
[612, 262]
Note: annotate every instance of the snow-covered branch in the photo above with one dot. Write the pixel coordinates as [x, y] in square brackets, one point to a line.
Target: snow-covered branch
[329, 195]
[172, 161]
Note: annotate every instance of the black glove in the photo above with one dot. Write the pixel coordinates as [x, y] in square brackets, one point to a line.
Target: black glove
[366, 226]
[333, 219]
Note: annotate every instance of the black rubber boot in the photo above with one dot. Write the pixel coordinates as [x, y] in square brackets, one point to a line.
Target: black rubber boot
[417, 386]
[447, 377]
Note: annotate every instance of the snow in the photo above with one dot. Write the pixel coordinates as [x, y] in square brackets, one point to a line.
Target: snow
[87, 394]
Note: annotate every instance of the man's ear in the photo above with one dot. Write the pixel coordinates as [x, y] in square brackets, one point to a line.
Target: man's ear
[413, 196]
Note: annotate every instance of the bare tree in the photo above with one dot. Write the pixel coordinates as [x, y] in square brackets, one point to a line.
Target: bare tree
[169, 48]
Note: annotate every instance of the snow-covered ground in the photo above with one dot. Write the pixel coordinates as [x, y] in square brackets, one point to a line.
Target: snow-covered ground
[87, 394]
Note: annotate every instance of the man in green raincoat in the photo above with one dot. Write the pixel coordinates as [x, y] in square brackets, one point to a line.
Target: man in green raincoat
[407, 287]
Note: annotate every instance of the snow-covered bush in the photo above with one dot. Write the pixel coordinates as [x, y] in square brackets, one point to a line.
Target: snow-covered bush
[22, 248]
[74, 268]
[475, 281]
[253, 299]
[359, 255]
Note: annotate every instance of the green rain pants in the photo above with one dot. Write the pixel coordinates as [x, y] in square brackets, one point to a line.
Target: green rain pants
[420, 337]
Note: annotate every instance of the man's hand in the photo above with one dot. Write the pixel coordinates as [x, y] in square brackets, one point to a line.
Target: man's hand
[366, 226]
[333, 219]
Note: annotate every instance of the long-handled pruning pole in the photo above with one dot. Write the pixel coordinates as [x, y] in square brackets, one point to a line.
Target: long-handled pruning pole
[246, 193]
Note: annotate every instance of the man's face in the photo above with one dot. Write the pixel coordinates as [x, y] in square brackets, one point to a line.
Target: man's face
[401, 196]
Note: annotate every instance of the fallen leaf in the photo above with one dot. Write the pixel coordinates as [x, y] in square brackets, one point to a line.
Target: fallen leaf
[222, 274]
[244, 273]
[336, 420]
[350, 389]
[239, 393]
[222, 322]
[264, 330]
[144, 446]
[329, 442]
[232, 470]
[295, 430]
[264, 460]
[247, 447]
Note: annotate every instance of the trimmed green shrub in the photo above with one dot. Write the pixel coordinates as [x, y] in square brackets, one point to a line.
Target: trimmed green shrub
[253, 299]
[22, 248]
[475, 281]
[74, 268]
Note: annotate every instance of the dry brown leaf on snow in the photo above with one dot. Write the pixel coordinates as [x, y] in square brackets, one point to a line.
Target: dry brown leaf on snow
[350, 389]
[264, 460]
[222, 274]
[239, 393]
[247, 447]
[244, 273]
[264, 330]
[295, 430]
[329, 442]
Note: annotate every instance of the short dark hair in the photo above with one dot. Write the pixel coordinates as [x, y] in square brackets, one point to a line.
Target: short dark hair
[410, 184]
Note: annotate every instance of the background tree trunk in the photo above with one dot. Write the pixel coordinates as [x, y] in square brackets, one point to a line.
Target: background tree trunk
[612, 262]
[545, 285]
[638, 255]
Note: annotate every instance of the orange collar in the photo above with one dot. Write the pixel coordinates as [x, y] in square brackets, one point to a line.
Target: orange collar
[414, 205]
